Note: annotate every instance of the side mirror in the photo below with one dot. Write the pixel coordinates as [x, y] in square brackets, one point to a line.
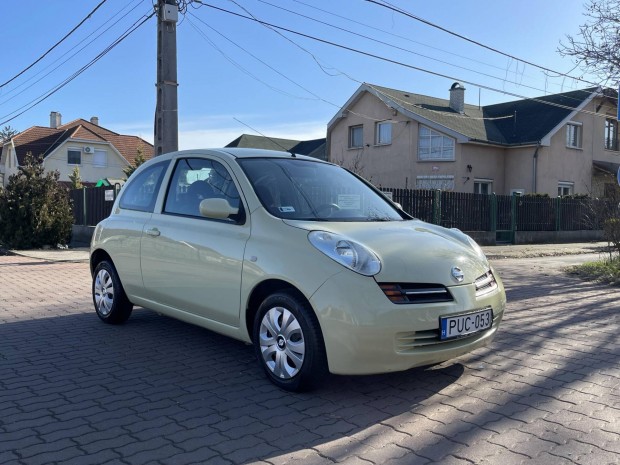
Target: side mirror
[218, 209]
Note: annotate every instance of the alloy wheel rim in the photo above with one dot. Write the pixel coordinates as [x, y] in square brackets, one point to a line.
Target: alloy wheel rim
[104, 292]
[282, 343]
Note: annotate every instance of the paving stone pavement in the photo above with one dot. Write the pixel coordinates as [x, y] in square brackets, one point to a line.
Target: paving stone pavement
[76, 391]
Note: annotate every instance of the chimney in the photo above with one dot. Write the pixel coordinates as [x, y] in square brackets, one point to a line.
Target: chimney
[457, 98]
[94, 120]
[55, 119]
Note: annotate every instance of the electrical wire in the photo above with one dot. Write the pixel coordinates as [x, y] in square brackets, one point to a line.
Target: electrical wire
[54, 46]
[383, 31]
[388, 5]
[316, 97]
[93, 39]
[399, 63]
[456, 115]
[236, 64]
[405, 49]
[40, 99]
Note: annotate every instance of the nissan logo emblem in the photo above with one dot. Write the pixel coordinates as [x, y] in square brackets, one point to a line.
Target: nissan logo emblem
[457, 274]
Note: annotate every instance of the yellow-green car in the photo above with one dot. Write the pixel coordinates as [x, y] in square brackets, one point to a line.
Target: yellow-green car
[313, 265]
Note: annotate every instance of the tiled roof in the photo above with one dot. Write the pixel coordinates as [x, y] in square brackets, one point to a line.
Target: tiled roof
[314, 148]
[42, 140]
[511, 123]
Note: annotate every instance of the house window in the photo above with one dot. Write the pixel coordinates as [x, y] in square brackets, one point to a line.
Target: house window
[434, 146]
[383, 133]
[483, 186]
[100, 159]
[74, 157]
[573, 135]
[443, 182]
[565, 188]
[356, 136]
[611, 134]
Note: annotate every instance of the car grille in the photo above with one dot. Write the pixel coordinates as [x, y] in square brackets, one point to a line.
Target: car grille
[410, 293]
[485, 284]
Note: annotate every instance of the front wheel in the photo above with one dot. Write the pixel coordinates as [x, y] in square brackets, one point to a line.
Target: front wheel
[288, 343]
[111, 302]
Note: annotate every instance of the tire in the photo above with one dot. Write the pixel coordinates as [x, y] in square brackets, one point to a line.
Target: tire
[289, 344]
[111, 302]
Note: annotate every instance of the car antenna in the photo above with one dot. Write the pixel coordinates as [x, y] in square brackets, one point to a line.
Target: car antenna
[266, 137]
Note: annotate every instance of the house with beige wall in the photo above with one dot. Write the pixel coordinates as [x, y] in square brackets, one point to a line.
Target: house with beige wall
[98, 152]
[557, 144]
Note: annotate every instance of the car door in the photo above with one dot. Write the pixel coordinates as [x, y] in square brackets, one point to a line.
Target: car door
[126, 224]
[192, 263]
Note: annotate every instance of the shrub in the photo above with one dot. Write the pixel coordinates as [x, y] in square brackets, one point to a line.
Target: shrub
[35, 209]
[611, 232]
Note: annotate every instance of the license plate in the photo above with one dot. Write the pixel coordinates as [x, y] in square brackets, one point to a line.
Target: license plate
[464, 325]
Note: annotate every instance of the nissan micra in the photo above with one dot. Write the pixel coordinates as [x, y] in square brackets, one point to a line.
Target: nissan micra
[308, 262]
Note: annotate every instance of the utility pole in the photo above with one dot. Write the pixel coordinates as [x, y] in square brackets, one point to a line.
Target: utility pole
[166, 112]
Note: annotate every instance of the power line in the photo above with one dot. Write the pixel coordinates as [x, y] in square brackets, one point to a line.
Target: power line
[402, 48]
[399, 63]
[93, 39]
[455, 115]
[383, 31]
[233, 62]
[54, 46]
[122, 37]
[386, 4]
[317, 97]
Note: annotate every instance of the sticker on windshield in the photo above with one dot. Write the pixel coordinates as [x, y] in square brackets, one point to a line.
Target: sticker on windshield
[286, 209]
[349, 202]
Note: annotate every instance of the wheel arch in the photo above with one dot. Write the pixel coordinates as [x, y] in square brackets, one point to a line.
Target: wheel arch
[97, 257]
[261, 292]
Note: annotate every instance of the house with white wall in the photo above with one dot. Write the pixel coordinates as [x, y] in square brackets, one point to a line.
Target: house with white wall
[98, 152]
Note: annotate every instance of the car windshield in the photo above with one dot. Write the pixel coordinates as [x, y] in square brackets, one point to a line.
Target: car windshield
[300, 189]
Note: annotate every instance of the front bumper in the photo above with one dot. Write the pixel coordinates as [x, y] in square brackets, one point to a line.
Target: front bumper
[365, 333]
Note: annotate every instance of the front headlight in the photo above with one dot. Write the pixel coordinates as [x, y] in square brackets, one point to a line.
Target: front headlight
[348, 253]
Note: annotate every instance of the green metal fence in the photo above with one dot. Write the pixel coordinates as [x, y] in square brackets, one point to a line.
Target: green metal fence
[502, 213]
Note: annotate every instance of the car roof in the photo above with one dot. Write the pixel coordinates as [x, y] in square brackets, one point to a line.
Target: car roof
[234, 152]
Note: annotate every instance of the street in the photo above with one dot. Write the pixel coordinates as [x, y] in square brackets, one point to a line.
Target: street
[156, 390]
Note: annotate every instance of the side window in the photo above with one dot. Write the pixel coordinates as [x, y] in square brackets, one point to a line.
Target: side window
[74, 157]
[141, 192]
[197, 179]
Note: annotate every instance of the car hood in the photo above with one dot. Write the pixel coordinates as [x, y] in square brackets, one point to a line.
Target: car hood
[411, 251]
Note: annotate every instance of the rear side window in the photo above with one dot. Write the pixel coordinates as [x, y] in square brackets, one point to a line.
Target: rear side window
[140, 194]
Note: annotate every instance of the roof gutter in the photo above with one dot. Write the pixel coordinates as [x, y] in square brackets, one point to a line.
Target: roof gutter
[501, 144]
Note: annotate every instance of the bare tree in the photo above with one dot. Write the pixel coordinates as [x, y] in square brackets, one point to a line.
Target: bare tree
[596, 49]
[354, 164]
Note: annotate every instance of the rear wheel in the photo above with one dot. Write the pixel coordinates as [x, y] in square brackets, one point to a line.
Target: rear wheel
[289, 344]
[111, 302]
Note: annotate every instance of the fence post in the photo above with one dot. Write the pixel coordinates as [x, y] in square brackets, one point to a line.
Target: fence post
[513, 216]
[437, 206]
[84, 206]
[558, 213]
[493, 212]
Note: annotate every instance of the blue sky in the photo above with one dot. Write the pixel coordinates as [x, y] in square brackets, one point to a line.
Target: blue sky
[291, 86]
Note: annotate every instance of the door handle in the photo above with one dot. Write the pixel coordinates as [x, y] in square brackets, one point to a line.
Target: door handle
[153, 232]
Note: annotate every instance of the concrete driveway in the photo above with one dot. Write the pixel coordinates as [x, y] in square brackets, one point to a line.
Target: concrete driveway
[74, 390]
